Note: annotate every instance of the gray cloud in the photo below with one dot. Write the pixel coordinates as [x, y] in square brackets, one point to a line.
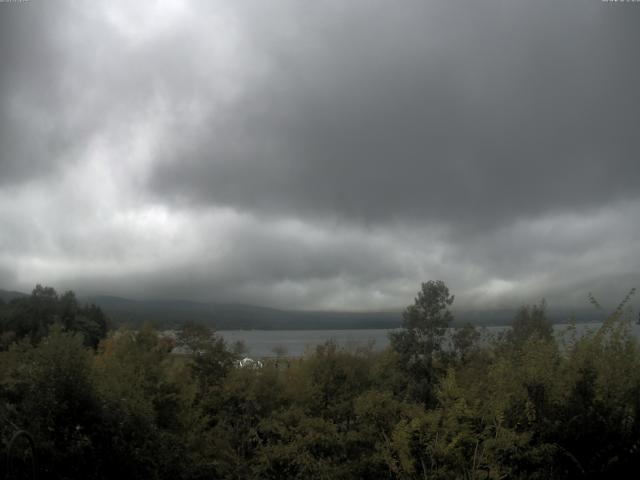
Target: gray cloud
[27, 133]
[466, 112]
[330, 155]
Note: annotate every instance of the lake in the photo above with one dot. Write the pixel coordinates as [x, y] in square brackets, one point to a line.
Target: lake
[262, 343]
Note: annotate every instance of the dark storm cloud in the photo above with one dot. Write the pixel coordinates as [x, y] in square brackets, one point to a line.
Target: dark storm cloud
[235, 257]
[51, 105]
[27, 59]
[471, 112]
[320, 155]
[72, 75]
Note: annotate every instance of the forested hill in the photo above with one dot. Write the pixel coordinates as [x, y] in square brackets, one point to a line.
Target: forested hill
[172, 313]
[7, 295]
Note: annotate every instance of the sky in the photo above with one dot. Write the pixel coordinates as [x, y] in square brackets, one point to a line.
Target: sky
[324, 155]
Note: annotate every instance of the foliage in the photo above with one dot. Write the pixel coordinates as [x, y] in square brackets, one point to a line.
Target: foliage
[419, 344]
[530, 321]
[530, 404]
[33, 316]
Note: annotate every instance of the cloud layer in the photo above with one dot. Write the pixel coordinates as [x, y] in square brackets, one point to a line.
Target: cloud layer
[325, 156]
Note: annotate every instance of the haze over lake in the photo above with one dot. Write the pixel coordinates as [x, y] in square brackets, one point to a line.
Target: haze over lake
[263, 343]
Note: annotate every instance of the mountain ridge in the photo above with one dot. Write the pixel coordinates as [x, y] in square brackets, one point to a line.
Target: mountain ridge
[170, 313]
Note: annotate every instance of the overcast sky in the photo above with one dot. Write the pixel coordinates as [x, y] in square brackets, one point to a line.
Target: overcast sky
[321, 155]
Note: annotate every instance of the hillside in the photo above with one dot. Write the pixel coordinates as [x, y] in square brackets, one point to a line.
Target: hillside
[169, 313]
[235, 316]
[8, 295]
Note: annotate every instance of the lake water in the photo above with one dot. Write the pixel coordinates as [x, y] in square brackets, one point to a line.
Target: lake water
[263, 343]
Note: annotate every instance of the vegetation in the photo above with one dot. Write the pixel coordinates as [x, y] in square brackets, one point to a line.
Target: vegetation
[526, 404]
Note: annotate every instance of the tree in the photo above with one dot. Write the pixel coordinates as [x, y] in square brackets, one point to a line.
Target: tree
[429, 316]
[92, 323]
[49, 390]
[32, 317]
[211, 360]
[68, 308]
[465, 340]
[194, 337]
[530, 321]
[146, 398]
[420, 341]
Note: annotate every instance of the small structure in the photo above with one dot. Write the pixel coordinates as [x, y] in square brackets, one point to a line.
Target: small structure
[247, 362]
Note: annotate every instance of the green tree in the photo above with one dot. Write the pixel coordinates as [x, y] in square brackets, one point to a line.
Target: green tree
[149, 426]
[32, 317]
[419, 344]
[334, 378]
[193, 336]
[530, 321]
[92, 323]
[465, 341]
[49, 390]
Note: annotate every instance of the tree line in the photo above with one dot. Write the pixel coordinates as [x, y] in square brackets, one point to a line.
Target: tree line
[434, 404]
